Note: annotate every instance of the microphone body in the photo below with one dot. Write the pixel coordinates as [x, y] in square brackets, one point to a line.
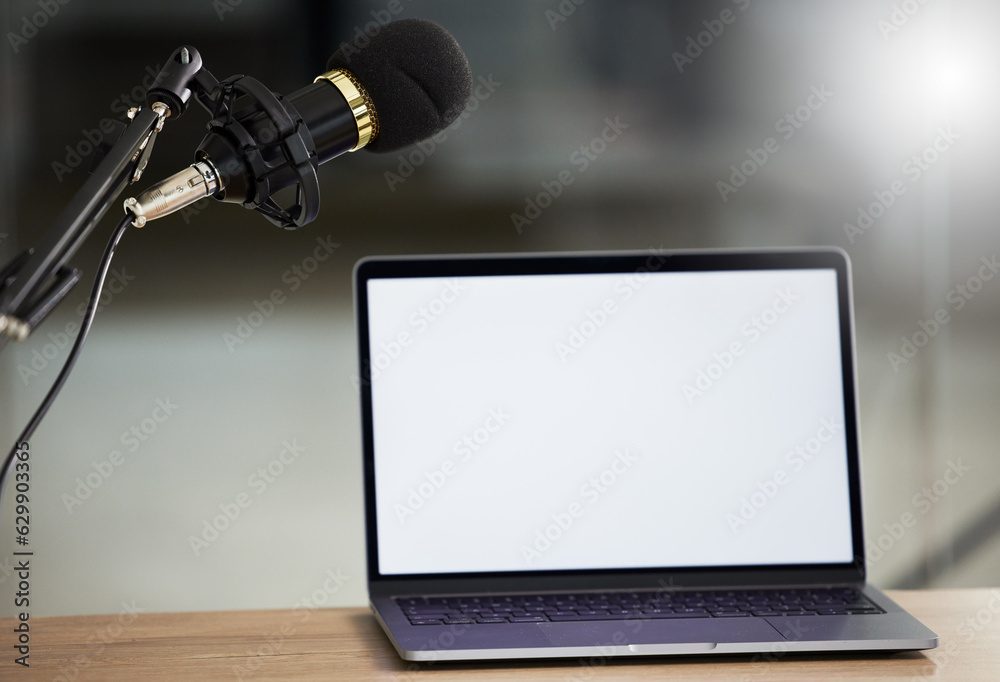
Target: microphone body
[413, 72]
[253, 152]
[325, 115]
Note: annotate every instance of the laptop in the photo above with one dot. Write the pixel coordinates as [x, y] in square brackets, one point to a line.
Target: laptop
[651, 453]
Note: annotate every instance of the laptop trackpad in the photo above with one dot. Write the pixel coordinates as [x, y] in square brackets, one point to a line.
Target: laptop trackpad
[691, 635]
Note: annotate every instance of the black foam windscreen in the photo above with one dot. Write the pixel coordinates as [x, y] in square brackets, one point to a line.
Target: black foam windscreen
[416, 75]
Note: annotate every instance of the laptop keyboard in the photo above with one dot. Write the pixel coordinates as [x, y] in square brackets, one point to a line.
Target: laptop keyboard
[547, 608]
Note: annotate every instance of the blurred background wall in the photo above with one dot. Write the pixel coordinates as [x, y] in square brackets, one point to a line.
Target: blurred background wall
[883, 119]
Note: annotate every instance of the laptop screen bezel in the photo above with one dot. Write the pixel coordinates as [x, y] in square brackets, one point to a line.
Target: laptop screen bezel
[834, 259]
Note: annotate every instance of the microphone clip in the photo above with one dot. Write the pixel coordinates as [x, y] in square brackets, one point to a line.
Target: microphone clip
[279, 143]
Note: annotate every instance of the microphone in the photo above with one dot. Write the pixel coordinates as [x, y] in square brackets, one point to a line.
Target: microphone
[381, 92]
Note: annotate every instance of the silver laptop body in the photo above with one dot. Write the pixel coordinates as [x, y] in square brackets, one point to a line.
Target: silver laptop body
[660, 447]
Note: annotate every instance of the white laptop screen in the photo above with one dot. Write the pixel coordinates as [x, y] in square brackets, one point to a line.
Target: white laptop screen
[608, 421]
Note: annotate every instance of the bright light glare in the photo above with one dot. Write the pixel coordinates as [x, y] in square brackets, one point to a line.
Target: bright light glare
[953, 82]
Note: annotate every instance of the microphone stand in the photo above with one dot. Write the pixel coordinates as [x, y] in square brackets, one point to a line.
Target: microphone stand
[38, 279]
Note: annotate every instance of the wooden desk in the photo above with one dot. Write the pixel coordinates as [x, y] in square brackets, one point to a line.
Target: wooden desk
[347, 644]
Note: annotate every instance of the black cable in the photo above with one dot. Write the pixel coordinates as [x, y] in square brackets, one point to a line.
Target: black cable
[74, 353]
